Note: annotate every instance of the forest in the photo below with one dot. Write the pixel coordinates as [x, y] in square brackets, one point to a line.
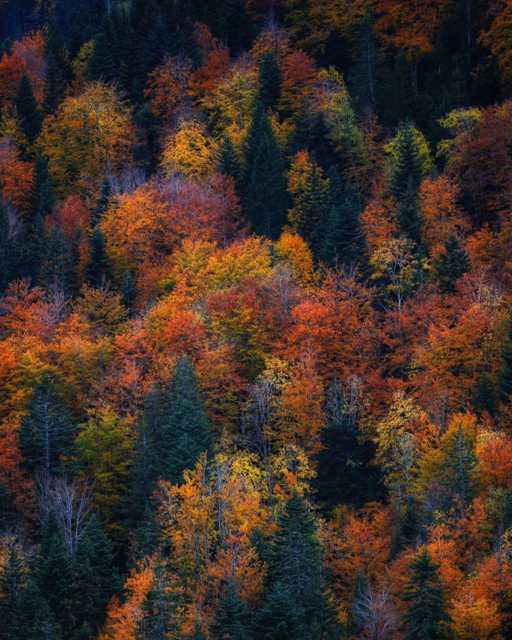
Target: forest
[255, 320]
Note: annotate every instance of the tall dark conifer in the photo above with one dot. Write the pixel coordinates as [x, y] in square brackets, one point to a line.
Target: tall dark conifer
[27, 110]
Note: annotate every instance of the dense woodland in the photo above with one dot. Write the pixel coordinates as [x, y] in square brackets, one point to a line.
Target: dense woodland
[255, 320]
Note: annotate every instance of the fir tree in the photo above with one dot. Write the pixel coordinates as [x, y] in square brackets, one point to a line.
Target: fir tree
[270, 81]
[13, 579]
[451, 265]
[98, 271]
[185, 427]
[343, 240]
[265, 198]
[295, 605]
[427, 617]
[129, 288]
[46, 431]
[345, 475]
[58, 267]
[27, 110]
[229, 163]
[43, 197]
[58, 72]
[505, 376]
[101, 203]
[232, 618]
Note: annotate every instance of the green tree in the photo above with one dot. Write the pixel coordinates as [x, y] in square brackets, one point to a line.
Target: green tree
[27, 110]
[102, 202]
[426, 617]
[270, 81]
[46, 430]
[295, 605]
[58, 262]
[229, 162]
[232, 618]
[505, 376]
[265, 199]
[58, 73]
[186, 431]
[451, 265]
[98, 271]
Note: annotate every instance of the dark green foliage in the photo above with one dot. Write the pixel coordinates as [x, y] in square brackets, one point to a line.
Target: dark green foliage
[343, 240]
[485, 395]
[47, 430]
[129, 288]
[77, 586]
[12, 251]
[295, 605]
[427, 617]
[451, 265]
[43, 197]
[185, 431]
[461, 465]
[159, 610]
[232, 618]
[58, 262]
[505, 377]
[345, 475]
[265, 197]
[58, 73]
[270, 80]
[27, 110]
[229, 163]
[101, 203]
[98, 271]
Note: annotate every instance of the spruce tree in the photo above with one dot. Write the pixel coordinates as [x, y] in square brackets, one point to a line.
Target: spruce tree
[295, 605]
[343, 240]
[270, 81]
[42, 197]
[406, 177]
[265, 198]
[27, 110]
[232, 618]
[229, 163]
[186, 430]
[13, 577]
[46, 430]
[129, 288]
[58, 72]
[427, 617]
[58, 267]
[451, 265]
[98, 271]
[101, 203]
[345, 474]
[505, 376]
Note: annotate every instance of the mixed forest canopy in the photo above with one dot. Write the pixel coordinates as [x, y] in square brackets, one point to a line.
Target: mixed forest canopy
[255, 320]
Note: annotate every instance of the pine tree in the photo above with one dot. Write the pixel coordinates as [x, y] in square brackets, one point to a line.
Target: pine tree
[46, 431]
[265, 198]
[345, 475]
[232, 618]
[229, 163]
[505, 376]
[58, 72]
[451, 265]
[27, 110]
[295, 605]
[129, 288]
[406, 177]
[58, 267]
[427, 617]
[101, 203]
[270, 81]
[185, 427]
[343, 240]
[43, 197]
[98, 271]
[13, 579]
[158, 619]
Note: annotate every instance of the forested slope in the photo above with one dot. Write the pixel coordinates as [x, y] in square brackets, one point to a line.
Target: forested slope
[255, 320]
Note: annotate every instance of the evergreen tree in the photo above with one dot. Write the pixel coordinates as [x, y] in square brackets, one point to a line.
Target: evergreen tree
[451, 265]
[265, 198]
[46, 430]
[185, 427]
[505, 377]
[11, 251]
[58, 266]
[270, 81]
[232, 618]
[406, 177]
[345, 475]
[27, 110]
[42, 196]
[101, 203]
[229, 163]
[159, 608]
[103, 62]
[295, 605]
[98, 271]
[58, 72]
[129, 288]
[343, 238]
[427, 617]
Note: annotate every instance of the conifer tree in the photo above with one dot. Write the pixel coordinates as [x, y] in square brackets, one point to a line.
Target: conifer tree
[46, 430]
[27, 110]
[451, 265]
[129, 289]
[265, 198]
[102, 202]
[406, 177]
[505, 376]
[58, 73]
[343, 240]
[270, 81]
[232, 618]
[427, 617]
[185, 427]
[229, 163]
[58, 266]
[344, 472]
[98, 271]
[295, 605]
